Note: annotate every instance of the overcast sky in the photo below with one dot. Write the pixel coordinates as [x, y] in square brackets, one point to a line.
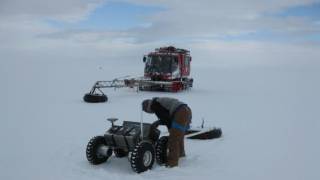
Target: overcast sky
[121, 29]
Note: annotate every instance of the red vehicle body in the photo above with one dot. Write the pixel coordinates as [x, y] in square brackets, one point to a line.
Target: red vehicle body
[168, 69]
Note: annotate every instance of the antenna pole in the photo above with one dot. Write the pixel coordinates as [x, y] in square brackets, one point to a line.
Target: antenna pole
[202, 124]
[141, 123]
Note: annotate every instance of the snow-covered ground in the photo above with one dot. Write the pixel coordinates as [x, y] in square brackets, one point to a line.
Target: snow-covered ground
[269, 115]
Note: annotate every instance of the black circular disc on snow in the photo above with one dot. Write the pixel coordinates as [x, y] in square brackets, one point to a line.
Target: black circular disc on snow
[95, 98]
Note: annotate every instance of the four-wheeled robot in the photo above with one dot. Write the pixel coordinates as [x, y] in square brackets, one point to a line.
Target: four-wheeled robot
[136, 140]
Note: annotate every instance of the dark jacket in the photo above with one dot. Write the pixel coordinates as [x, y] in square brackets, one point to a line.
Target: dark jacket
[165, 109]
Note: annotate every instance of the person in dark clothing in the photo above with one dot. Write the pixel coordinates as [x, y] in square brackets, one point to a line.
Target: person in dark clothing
[177, 116]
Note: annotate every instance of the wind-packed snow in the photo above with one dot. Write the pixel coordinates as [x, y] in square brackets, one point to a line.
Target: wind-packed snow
[269, 115]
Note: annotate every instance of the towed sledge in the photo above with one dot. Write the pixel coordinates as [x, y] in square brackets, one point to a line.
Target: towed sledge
[203, 133]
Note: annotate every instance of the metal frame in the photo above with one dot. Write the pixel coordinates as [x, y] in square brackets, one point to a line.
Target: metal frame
[135, 83]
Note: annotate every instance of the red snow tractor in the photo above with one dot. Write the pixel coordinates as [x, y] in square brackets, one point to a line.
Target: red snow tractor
[166, 69]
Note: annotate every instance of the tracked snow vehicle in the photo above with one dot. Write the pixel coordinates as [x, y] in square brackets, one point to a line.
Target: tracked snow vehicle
[166, 69]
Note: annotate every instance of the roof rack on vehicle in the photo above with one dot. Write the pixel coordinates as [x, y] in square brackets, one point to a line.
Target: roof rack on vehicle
[172, 49]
